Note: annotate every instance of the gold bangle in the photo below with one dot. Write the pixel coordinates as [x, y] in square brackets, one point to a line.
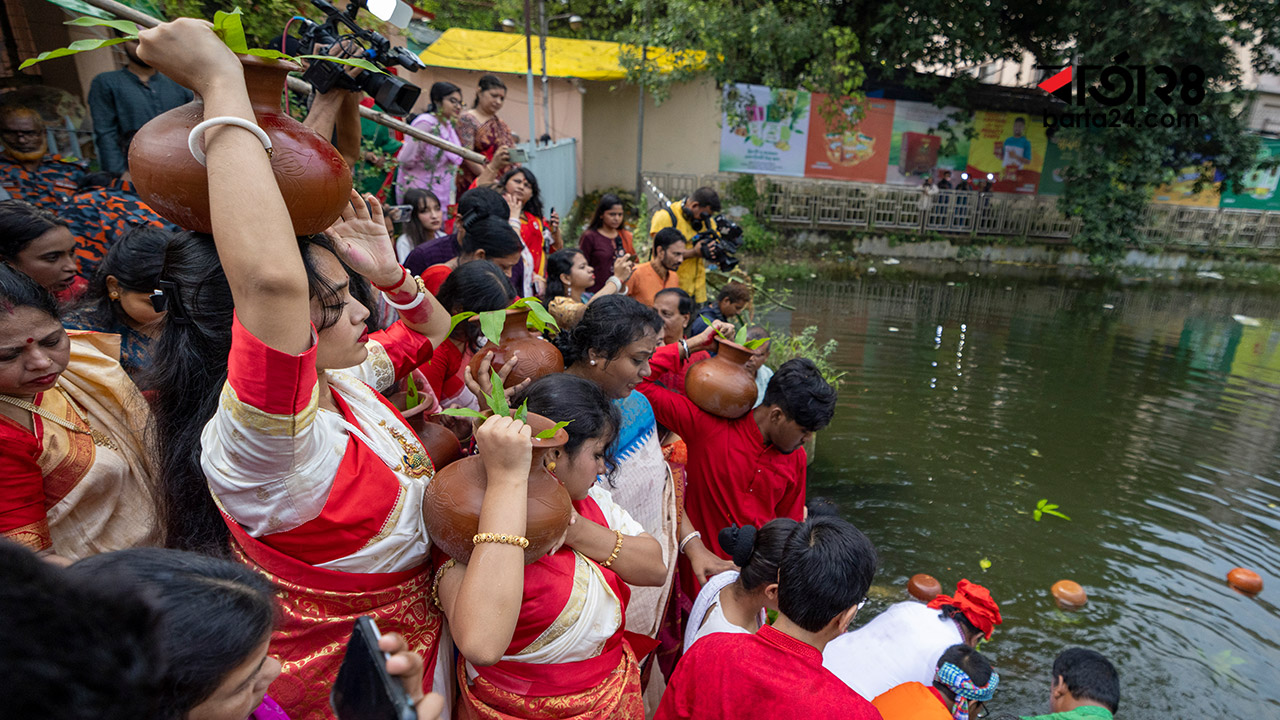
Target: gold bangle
[501, 538]
[435, 583]
[616, 549]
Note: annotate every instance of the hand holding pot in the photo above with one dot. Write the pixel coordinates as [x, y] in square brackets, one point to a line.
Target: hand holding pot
[188, 51]
[483, 385]
[706, 339]
[506, 446]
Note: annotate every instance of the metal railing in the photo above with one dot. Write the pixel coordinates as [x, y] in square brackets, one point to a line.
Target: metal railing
[818, 205]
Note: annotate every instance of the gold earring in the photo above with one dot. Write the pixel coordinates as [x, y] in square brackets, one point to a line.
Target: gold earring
[551, 466]
[115, 296]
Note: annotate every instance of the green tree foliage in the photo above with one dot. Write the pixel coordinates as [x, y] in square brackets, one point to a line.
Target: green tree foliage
[263, 19]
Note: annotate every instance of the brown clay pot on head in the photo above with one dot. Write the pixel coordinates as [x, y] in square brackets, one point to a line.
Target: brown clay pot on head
[721, 384]
[1245, 581]
[536, 356]
[451, 503]
[1069, 594]
[313, 178]
[924, 587]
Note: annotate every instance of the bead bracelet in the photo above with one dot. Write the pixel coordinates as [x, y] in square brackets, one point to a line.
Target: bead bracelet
[504, 539]
[616, 549]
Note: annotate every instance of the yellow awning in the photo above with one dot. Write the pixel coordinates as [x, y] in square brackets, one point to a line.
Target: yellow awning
[505, 53]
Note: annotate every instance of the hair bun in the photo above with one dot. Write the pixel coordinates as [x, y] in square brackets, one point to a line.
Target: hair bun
[739, 542]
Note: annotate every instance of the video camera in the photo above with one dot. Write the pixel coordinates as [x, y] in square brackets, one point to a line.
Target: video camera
[721, 242]
[394, 95]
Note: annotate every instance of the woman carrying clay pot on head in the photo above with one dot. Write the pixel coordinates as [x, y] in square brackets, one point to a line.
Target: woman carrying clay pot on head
[565, 648]
[480, 128]
[276, 447]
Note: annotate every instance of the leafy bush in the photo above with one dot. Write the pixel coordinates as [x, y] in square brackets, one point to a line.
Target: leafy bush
[805, 344]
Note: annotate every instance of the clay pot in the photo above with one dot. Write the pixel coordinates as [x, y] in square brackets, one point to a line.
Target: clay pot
[924, 587]
[537, 356]
[721, 384]
[1245, 580]
[313, 178]
[1069, 594]
[451, 503]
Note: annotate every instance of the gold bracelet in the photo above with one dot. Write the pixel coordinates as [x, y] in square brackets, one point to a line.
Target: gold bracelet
[435, 583]
[501, 538]
[616, 549]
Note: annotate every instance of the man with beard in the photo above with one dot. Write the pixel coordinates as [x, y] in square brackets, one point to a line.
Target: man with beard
[660, 272]
[27, 171]
[124, 100]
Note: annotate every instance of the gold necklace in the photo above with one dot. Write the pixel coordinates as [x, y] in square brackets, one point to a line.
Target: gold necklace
[100, 438]
[414, 462]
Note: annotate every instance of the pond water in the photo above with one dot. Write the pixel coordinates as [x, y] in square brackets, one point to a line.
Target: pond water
[1149, 415]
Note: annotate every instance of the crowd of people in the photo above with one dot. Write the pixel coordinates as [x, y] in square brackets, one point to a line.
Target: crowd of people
[205, 477]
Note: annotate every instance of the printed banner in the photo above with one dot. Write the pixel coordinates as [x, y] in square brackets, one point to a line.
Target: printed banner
[764, 130]
[1182, 191]
[1056, 154]
[1009, 150]
[859, 154]
[920, 148]
[1258, 189]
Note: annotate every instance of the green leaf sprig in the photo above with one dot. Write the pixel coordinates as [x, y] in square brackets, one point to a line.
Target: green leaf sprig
[740, 337]
[1044, 507]
[491, 321]
[227, 25]
[498, 405]
[412, 398]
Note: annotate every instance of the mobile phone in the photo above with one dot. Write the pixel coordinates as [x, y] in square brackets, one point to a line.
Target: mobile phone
[518, 155]
[364, 690]
[400, 213]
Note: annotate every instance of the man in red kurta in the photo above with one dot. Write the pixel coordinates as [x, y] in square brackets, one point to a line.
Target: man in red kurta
[750, 470]
[777, 673]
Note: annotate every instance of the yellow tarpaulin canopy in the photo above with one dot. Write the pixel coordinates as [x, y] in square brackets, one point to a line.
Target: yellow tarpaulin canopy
[505, 52]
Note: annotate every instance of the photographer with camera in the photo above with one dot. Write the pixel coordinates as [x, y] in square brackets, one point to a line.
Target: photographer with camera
[707, 239]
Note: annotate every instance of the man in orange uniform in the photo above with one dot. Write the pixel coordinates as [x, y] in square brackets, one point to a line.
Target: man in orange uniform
[962, 685]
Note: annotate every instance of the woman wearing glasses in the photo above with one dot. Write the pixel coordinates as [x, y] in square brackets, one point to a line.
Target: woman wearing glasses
[427, 167]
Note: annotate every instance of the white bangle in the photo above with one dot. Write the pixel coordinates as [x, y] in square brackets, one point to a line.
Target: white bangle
[614, 279]
[418, 301]
[687, 538]
[197, 132]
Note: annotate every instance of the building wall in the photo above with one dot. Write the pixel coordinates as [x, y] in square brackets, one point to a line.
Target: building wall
[682, 135]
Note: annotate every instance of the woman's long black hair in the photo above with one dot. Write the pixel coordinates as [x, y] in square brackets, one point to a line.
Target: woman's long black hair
[17, 289]
[21, 223]
[212, 614]
[559, 263]
[439, 91]
[534, 205]
[609, 324]
[135, 260]
[417, 198]
[188, 370]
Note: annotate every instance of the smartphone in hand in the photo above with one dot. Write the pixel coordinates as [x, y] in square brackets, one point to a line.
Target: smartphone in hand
[400, 213]
[364, 689]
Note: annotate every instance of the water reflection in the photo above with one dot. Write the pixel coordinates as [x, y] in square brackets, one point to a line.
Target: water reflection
[1151, 416]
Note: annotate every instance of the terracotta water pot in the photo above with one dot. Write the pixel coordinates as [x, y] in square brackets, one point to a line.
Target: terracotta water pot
[451, 503]
[721, 384]
[924, 587]
[1245, 580]
[536, 357]
[1069, 594]
[313, 178]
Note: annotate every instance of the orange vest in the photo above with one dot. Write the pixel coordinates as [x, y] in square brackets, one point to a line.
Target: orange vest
[910, 701]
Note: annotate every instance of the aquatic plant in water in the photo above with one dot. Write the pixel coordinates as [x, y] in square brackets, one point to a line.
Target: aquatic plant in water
[1044, 507]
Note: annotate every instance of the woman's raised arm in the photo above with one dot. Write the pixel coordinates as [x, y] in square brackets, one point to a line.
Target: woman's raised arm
[250, 221]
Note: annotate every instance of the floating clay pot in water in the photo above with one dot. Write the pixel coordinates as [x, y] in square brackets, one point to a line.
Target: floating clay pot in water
[1245, 581]
[451, 503]
[313, 178]
[1069, 595]
[924, 587]
[535, 357]
[721, 384]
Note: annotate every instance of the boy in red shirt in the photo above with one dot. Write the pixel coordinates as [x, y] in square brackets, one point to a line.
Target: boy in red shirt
[777, 673]
[746, 471]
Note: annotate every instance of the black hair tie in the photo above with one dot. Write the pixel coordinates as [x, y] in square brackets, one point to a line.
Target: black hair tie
[740, 542]
[165, 300]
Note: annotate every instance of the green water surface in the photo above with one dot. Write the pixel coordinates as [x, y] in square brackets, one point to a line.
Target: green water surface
[1151, 416]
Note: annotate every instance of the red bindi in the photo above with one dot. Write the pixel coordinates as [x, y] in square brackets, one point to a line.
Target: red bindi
[30, 340]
